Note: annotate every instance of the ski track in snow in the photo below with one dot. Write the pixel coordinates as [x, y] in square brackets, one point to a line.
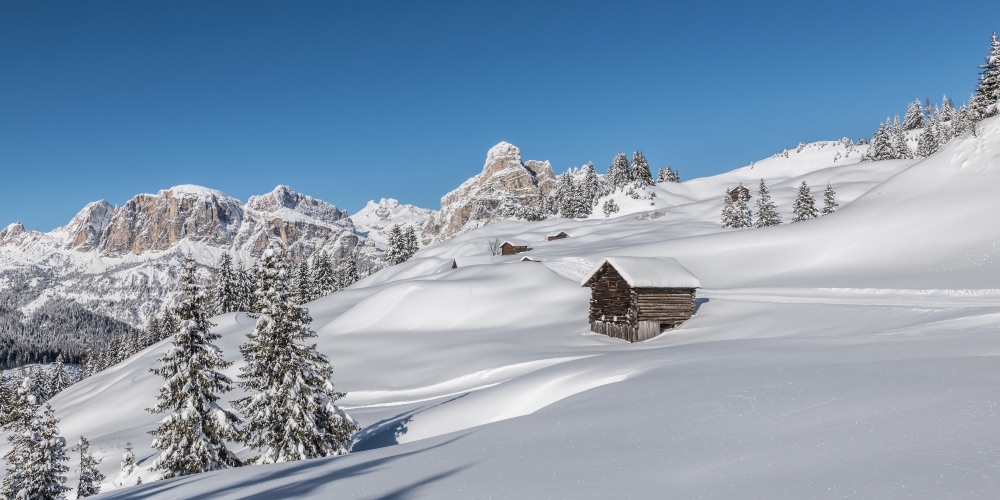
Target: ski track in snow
[908, 298]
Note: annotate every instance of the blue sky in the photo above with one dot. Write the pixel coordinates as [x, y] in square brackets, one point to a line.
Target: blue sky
[351, 101]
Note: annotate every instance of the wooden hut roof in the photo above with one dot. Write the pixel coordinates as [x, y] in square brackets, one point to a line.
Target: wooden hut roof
[515, 243]
[647, 272]
[557, 234]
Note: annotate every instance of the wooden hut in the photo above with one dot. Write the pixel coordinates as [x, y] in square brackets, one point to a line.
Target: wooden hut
[557, 236]
[637, 298]
[511, 247]
[734, 193]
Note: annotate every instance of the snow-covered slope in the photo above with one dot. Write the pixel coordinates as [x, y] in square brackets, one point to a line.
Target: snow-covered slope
[855, 355]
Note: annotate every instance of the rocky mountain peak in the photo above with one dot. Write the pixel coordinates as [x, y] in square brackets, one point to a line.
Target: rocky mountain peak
[283, 197]
[83, 233]
[506, 182]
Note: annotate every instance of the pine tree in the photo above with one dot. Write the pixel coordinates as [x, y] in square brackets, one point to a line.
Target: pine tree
[804, 207]
[302, 283]
[410, 243]
[226, 289]
[324, 281]
[618, 173]
[880, 147]
[6, 398]
[640, 170]
[914, 118]
[829, 200]
[290, 410]
[741, 209]
[58, 378]
[127, 463]
[591, 185]
[18, 424]
[348, 274]
[560, 195]
[986, 101]
[609, 207]
[44, 471]
[192, 436]
[901, 150]
[927, 142]
[729, 218]
[395, 253]
[90, 478]
[767, 212]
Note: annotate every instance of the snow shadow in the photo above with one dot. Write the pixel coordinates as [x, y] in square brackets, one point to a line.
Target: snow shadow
[387, 432]
[288, 480]
[698, 302]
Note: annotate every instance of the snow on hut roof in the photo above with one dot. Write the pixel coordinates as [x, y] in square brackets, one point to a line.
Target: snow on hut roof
[556, 234]
[516, 243]
[648, 272]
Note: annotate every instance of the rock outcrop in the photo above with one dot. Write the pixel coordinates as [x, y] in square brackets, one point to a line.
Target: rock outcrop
[505, 184]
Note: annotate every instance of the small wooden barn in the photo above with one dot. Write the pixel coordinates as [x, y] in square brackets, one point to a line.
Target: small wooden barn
[511, 247]
[637, 298]
[558, 236]
[734, 193]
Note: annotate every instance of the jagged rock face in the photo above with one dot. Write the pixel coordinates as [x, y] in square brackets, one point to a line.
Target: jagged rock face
[157, 222]
[85, 230]
[302, 223]
[504, 181]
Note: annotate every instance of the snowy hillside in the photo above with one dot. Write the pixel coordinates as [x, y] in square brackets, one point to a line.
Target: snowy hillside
[854, 355]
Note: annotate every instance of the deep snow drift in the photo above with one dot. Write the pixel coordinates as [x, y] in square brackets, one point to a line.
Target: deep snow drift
[854, 355]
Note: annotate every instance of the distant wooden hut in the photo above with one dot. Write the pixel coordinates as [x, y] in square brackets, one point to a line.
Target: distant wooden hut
[528, 258]
[637, 298]
[511, 247]
[558, 236]
[734, 193]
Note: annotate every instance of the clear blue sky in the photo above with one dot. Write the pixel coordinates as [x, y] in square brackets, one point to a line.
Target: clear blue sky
[349, 101]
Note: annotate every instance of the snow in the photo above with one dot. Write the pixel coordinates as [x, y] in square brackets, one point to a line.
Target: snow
[648, 272]
[853, 355]
[191, 189]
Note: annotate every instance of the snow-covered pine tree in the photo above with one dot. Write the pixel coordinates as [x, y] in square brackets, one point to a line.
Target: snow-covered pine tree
[347, 273]
[927, 142]
[767, 212]
[169, 324]
[640, 170]
[728, 212]
[914, 118]
[6, 398]
[804, 207]
[17, 424]
[58, 378]
[410, 242]
[89, 483]
[127, 463]
[248, 284]
[618, 173]
[226, 290]
[395, 252]
[880, 147]
[901, 150]
[591, 185]
[192, 437]
[741, 208]
[609, 207]
[290, 408]
[985, 101]
[563, 190]
[302, 283]
[324, 281]
[44, 472]
[829, 200]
